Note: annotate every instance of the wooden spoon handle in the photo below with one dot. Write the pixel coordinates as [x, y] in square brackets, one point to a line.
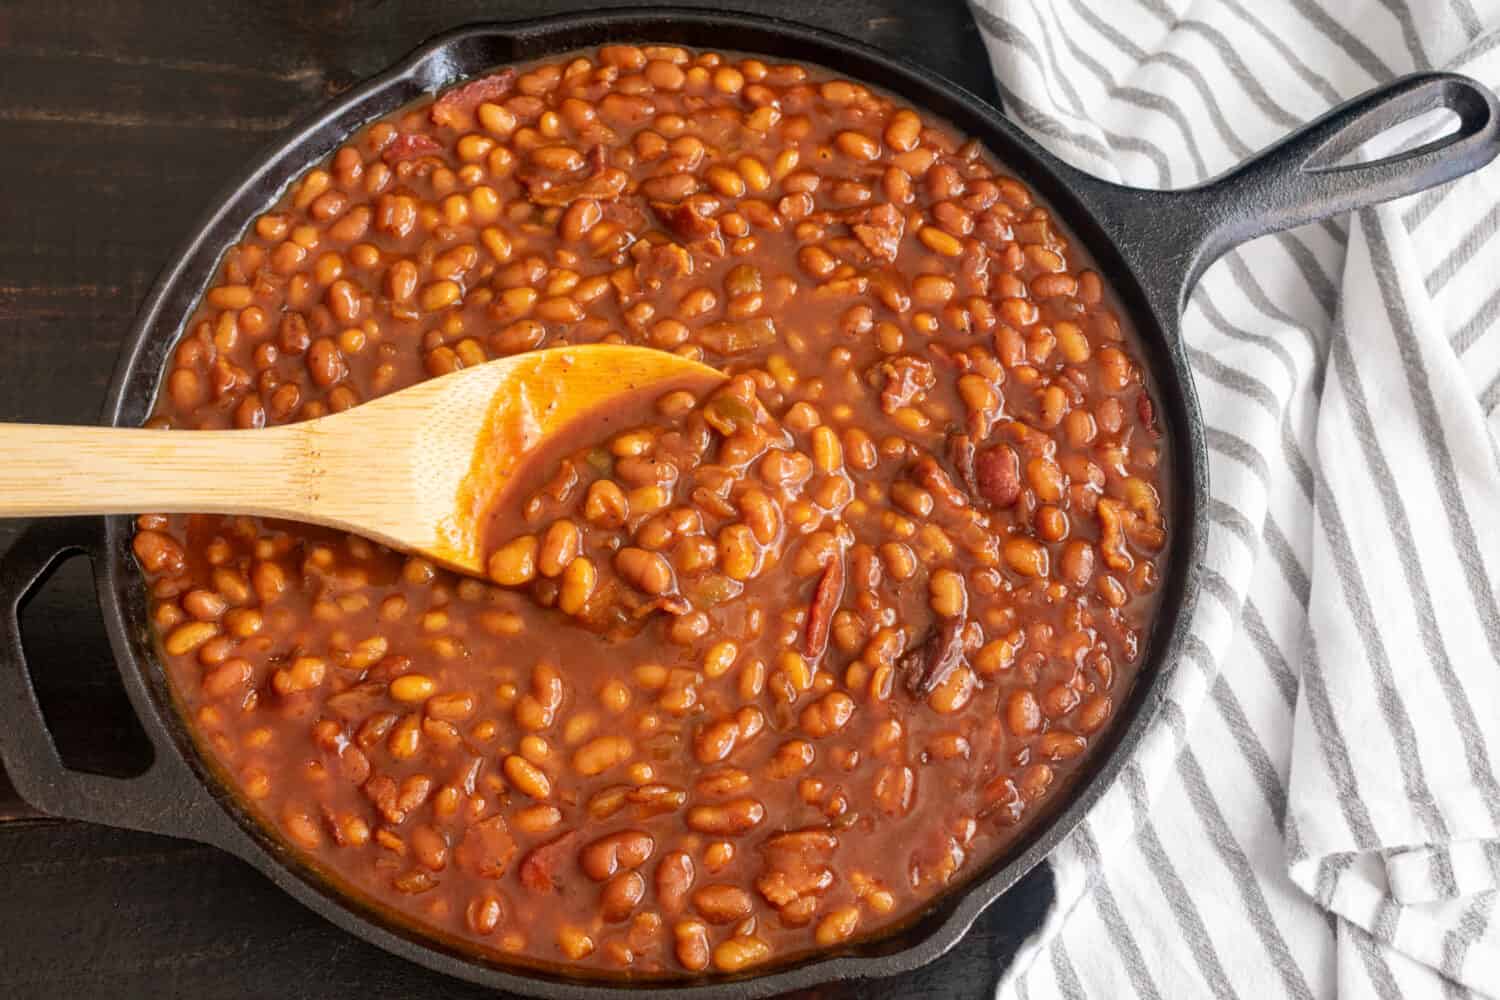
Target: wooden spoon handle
[50, 470]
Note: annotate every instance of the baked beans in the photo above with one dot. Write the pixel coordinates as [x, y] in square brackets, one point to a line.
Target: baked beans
[754, 672]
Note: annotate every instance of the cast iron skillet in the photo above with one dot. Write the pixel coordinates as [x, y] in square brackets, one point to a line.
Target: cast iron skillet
[1150, 245]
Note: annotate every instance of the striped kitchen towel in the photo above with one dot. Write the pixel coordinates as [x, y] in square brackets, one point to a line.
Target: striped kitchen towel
[1316, 812]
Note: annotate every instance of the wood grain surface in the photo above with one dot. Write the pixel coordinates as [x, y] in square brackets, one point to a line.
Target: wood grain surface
[119, 121]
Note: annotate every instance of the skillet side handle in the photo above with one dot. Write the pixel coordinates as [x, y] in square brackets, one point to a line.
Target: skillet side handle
[163, 800]
[1300, 180]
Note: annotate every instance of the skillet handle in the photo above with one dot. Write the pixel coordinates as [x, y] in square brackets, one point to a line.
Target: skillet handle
[165, 799]
[1299, 179]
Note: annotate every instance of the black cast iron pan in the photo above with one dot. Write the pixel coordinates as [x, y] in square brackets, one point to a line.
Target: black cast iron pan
[1150, 245]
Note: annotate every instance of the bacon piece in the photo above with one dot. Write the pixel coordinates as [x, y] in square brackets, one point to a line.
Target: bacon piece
[597, 162]
[974, 272]
[456, 107]
[682, 218]
[826, 599]
[626, 213]
[604, 186]
[359, 702]
[228, 377]
[797, 867]
[905, 378]
[540, 866]
[409, 146]
[928, 665]
[738, 336]
[661, 262]
[928, 474]
[673, 604]
[880, 232]
[486, 848]
[992, 230]
[1147, 412]
[961, 454]
[383, 792]
[878, 227]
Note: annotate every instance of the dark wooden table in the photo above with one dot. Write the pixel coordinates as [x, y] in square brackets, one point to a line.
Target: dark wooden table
[118, 122]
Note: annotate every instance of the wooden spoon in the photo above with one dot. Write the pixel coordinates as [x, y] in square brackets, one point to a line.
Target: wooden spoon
[416, 470]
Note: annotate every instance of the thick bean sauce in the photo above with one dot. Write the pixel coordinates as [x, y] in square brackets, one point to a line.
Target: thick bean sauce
[765, 671]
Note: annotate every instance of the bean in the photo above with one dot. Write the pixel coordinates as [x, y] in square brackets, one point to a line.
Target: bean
[738, 553]
[954, 692]
[559, 547]
[646, 571]
[728, 80]
[304, 674]
[949, 597]
[578, 583]
[205, 605]
[725, 181]
[903, 130]
[729, 819]
[1059, 744]
[574, 942]
[601, 754]
[828, 714]
[740, 952]
[911, 498]
[157, 552]
[723, 781]
[837, 926]
[514, 563]
[606, 505]
[231, 297]
[692, 947]
[722, 904]
[719, 659]
[405, 738]
[620, 896]
[674, 877]
[538, 818]
[527, 777]
[302, 828]
[857, 146]
[1077, 564]
[325, 362]
[664, 75]
[940, 242]
[716, 741]
[761, 515]
[623, 851]
[229, 677]
[1059, 700]
[895, 789]
[1022, 713]
[995, 657]
[1026, 557]
[1094, 713]
[452, 707]
[429, 848]
[189, 637]
[484, 913]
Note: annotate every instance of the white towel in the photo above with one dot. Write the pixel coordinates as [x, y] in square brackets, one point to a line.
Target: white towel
[1316, 812]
